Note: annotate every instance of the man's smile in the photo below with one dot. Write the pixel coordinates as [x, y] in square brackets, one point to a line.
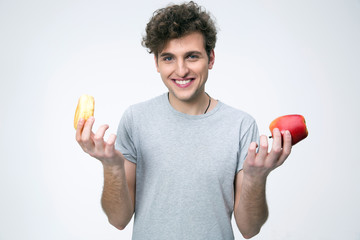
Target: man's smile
[183, 82]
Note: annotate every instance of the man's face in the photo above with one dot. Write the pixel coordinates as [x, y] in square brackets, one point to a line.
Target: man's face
[183, 65]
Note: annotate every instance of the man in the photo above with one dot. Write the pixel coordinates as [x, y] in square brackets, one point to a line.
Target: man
[184, 162]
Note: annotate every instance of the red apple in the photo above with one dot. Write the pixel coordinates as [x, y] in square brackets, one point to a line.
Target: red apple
[295, 123]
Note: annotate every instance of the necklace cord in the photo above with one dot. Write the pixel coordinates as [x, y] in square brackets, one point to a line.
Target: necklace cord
[208, 104]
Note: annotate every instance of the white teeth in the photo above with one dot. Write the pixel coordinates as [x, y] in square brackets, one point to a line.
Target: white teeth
[182, 82]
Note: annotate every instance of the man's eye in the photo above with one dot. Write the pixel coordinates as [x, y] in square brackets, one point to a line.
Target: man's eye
[167, 58]
[193, 56]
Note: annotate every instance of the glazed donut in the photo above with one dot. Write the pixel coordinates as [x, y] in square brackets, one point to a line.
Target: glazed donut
[84, 109]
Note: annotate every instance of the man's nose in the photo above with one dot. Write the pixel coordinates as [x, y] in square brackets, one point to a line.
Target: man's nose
[182, 69]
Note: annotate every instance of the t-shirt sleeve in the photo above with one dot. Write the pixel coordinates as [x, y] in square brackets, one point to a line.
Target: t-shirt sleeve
[125, 137]
[250, 135]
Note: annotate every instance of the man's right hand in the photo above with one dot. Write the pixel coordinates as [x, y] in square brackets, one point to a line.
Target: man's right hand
[94, 144]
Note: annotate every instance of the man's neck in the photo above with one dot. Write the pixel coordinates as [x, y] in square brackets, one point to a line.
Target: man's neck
[196, 106]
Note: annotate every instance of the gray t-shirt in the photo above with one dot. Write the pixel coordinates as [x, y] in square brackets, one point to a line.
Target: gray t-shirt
[185, 168]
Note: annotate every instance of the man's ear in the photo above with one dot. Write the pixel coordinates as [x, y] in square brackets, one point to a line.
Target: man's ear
[211, 59]
[156, 63]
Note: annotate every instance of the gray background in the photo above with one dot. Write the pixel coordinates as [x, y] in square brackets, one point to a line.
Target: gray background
[272, 58]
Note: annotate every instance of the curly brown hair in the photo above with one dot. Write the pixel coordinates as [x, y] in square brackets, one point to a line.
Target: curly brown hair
[176, 21]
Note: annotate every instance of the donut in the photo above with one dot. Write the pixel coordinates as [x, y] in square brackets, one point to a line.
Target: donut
[84, 109]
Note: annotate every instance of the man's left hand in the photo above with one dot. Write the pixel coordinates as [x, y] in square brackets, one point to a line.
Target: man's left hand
[257, 166]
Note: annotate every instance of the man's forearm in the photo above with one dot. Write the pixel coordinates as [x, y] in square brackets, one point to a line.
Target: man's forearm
[116, 200]
[252, 210]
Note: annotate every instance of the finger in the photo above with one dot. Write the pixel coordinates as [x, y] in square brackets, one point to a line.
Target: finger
[79, 129]
[286, 148]
[110, 145]
[263, 150]
[276, 149]
[99, 138]
[86, 136]
[111, 140]
[277, 140]
[250, 158]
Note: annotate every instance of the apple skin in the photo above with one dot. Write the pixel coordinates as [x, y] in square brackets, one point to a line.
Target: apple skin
[295, 123]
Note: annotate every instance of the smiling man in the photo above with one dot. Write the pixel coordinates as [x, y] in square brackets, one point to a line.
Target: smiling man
[183, 65]
[184, 162]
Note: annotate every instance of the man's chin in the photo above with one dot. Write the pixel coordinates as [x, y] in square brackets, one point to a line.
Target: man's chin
[186, 97]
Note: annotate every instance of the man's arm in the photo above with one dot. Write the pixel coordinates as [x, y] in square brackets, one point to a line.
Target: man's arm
[118, 197]
[250, 207]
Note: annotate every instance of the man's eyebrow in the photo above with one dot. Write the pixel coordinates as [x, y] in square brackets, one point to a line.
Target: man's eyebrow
[186, 54]
[193, 52]
[166, 54]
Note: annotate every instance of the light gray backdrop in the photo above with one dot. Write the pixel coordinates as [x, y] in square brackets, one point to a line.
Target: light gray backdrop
[272, 58]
